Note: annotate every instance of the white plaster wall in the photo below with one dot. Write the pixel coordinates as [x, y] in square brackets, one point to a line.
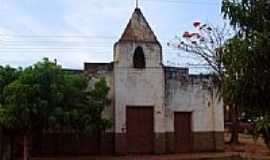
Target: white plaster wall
[138, 87]
[123, 56]
[207, 110]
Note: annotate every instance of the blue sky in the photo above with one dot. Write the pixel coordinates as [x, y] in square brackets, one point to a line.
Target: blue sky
[78, 31]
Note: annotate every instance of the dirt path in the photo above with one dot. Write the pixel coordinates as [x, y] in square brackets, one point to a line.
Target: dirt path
[246, 148]
[198, 156]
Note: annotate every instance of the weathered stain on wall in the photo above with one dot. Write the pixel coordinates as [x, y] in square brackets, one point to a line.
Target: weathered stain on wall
[196, 94]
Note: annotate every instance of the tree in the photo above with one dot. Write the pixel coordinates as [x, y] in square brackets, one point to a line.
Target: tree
[7, 76]
[233, 81]
[206, 42]
[251, 18]
[46, 97]
[97, 100]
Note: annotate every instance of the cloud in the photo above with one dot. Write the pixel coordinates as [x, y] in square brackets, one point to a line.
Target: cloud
[102, 20]
[97, 17]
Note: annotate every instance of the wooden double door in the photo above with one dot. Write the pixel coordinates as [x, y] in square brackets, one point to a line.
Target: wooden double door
[140, 130]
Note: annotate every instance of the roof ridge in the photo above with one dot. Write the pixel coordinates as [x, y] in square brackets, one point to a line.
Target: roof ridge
[138, 29]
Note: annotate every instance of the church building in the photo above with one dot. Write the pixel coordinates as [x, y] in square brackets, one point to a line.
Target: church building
[156, 109]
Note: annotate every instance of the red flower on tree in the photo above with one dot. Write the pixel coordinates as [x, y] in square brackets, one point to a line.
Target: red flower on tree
[196, 24]
[187, 35]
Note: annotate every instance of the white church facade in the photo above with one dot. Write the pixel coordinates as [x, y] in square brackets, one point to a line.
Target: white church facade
[155, 108]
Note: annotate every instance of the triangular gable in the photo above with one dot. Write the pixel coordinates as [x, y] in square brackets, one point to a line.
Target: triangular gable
[138, 29]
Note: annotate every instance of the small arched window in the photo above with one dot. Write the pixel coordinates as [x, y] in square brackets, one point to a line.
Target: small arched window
[138, 58]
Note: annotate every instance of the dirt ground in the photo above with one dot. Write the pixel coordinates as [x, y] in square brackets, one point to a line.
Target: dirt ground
[247, 149]
[247, 146]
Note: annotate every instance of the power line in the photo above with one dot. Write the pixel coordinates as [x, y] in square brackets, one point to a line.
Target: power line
[55, 48]
[52, 41]
[58, 36]
[52, 51]
[182, 2]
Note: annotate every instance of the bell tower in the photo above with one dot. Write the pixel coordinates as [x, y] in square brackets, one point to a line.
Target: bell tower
[138, 34]
[138, 87]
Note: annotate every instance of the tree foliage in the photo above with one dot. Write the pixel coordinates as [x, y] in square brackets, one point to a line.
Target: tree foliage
[249, 16]
[234, 66]
[252, 50]
[252, 18]
[7, 75]
[44, 96]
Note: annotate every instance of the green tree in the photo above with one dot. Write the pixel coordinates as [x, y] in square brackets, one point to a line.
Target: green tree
[234, 82]
[7, 76]
[251, 18]
[46, 97]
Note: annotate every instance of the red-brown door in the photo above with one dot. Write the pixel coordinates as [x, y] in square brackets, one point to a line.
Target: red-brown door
[140, 130]
[183, 133]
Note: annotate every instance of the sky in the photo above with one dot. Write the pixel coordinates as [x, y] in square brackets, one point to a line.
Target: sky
[78, 31]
